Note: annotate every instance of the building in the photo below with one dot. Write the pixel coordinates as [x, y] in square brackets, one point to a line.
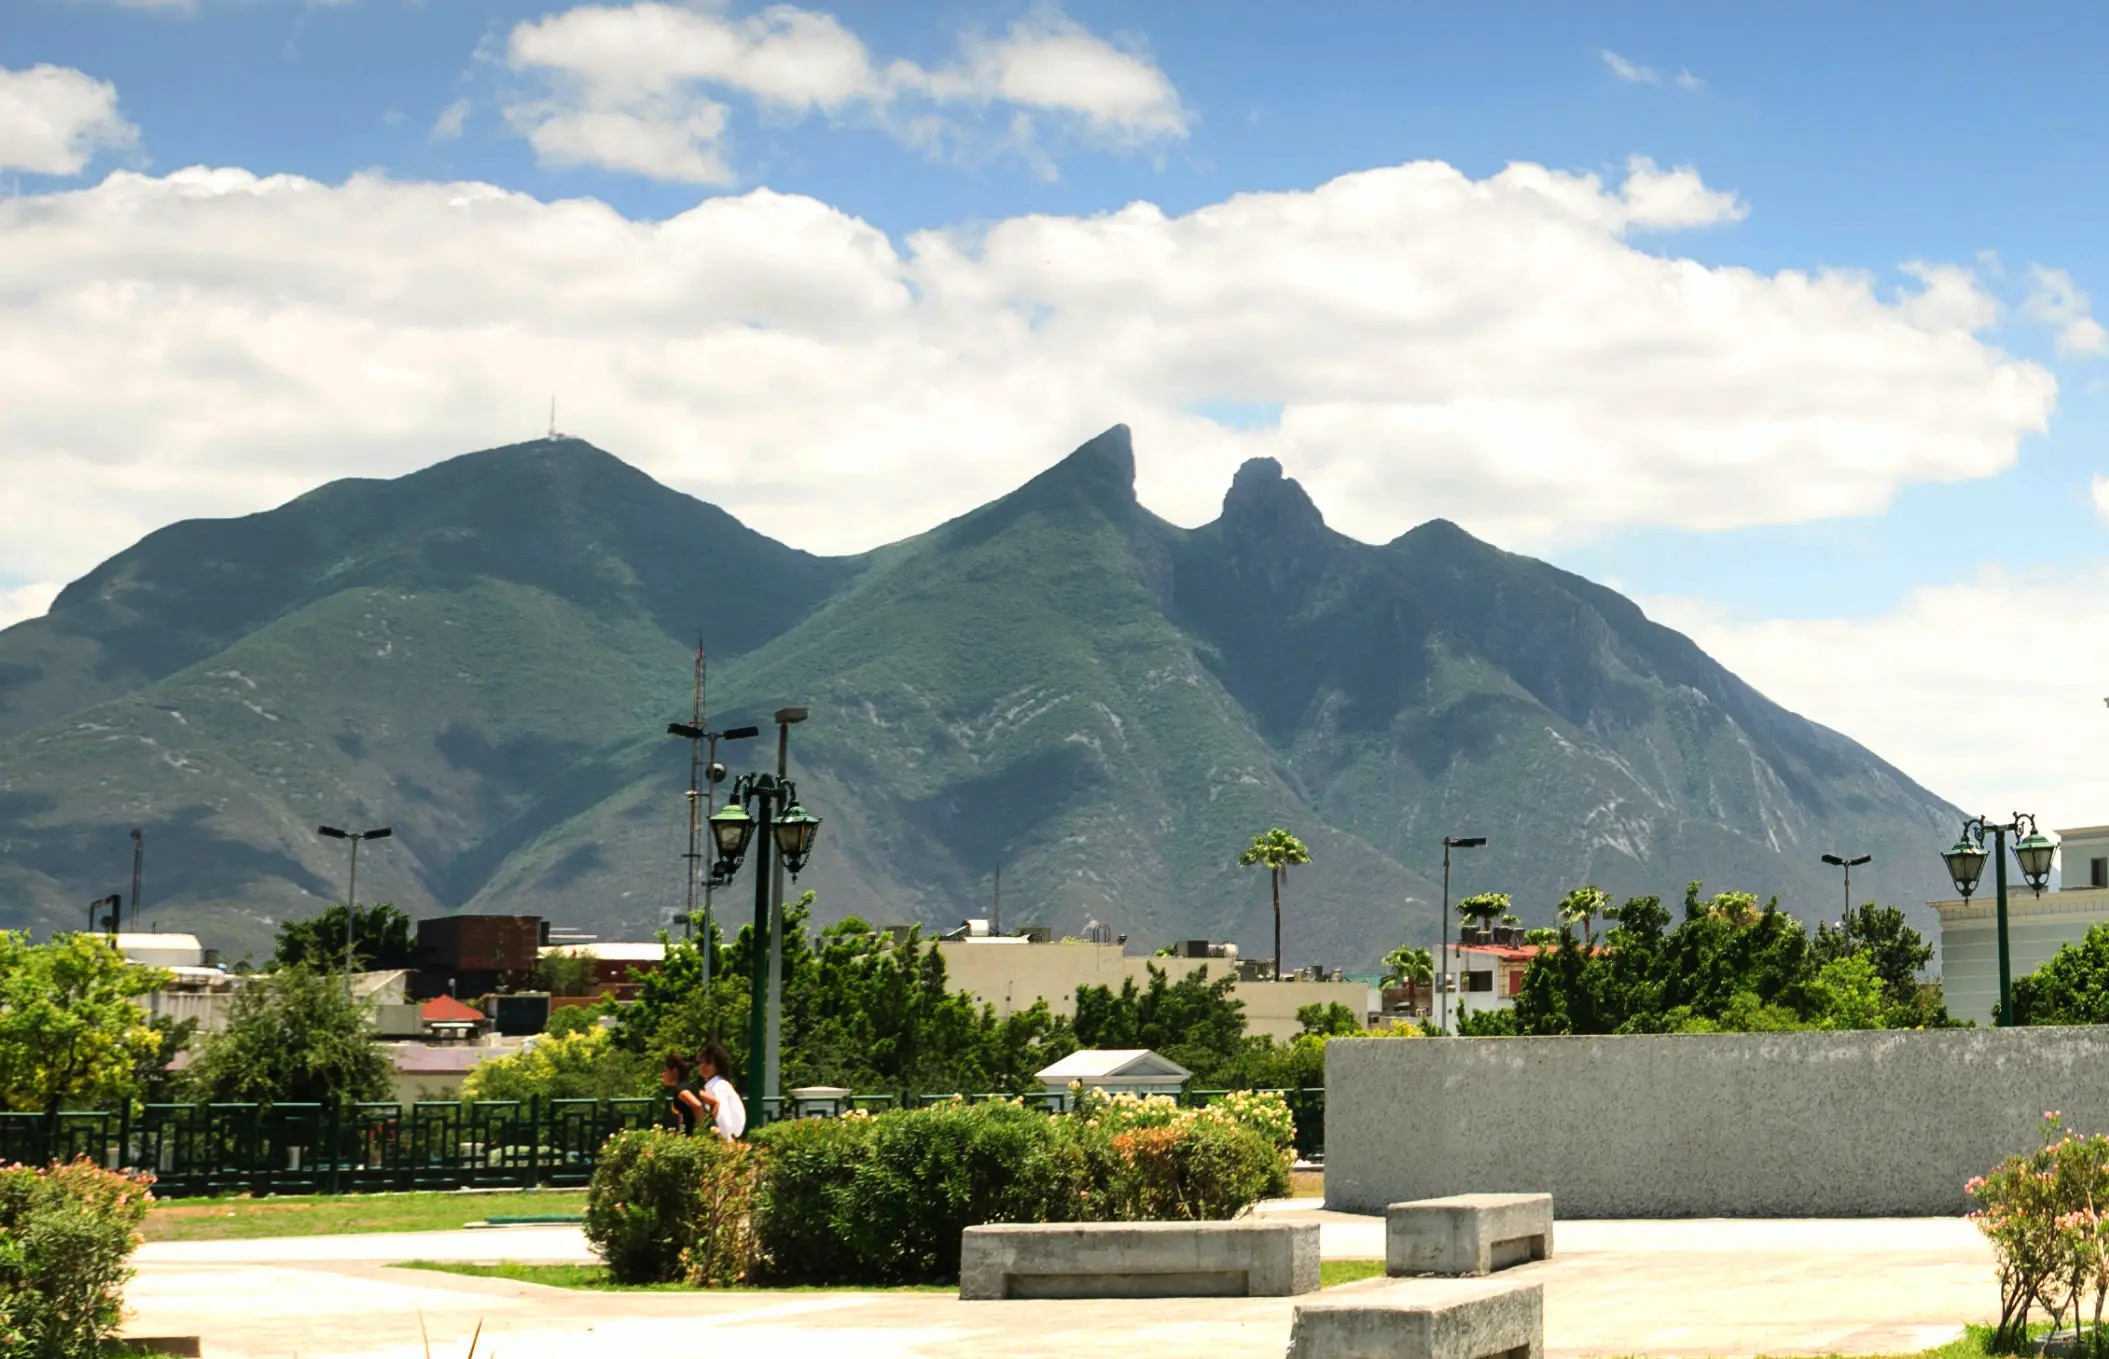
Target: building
[614, 962]
[1012, 972]
[2037, 926]
[199, 989]
[1115, 1071]
[474, 955]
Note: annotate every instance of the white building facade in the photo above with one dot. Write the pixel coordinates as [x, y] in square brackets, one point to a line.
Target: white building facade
[2037, 926]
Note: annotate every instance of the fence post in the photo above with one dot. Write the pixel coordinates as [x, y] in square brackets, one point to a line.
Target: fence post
[124, 1134]
[534, 1141]
[336, 1141]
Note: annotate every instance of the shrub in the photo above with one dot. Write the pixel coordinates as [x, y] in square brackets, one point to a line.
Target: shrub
[584, 1064]
[895, 1191]
[2046, 1214]
[66, 1239]
[664, 1208]
[1192, 1170]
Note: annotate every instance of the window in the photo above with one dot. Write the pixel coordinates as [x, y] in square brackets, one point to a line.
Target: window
[1479, 981]
[2098, 872]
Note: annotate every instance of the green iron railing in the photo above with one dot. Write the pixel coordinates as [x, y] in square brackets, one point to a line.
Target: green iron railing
[338, 1147]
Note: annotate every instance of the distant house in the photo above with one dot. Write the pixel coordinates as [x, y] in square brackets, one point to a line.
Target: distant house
[1116, 1071]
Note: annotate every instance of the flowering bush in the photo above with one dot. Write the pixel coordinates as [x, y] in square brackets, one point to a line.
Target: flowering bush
[67, 1233]
[666, 1208]
[1153, 1160]
[2046, 1214]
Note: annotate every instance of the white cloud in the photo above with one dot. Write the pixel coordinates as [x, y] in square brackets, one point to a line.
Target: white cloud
[19, 602]
[1988, 691]
[1490, 350]
[1687, 81]
[1631, 72]
[2101, 498]
[53, 120]
[634, 88]
[2056, 301]
[447, 126]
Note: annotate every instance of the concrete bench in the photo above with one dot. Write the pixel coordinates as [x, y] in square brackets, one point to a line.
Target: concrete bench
[1139, 1260]
[1467, 1233]
[1423, 1319]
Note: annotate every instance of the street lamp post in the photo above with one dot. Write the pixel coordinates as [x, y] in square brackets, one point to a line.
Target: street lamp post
[1451, 842]
[2033, 852]
[351, 888]
[1848, 865]
[785, 719]
[789, 836]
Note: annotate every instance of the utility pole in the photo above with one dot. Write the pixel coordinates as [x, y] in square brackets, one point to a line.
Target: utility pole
[692, 859]
[351, 889]
[996, 910]
[138, 861]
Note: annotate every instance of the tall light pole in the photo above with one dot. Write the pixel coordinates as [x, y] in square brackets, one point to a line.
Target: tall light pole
[1966, 863]
[351, 888]
[704, 775]
[790, 835]
[138, 862]
[1451, 842]
[1848, 865]
[785, 719]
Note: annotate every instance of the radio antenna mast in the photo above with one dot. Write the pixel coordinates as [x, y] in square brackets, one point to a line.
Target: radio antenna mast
[695, 800]
[552, 419]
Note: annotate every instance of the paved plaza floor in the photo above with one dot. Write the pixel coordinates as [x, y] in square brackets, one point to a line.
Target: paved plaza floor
[1613, 1288]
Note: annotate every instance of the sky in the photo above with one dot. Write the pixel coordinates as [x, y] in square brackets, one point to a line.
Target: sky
[1779, 322]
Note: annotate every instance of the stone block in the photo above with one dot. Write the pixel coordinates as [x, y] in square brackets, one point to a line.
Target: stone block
[1423, 1319]
[1467, 1233]
[1138, 1260]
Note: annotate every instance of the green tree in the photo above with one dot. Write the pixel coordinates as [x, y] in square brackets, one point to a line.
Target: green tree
[2072, 988]
[1276, 851]
[1198, 1023]
[581, 1065]
[567, 972]
[1895, 950]
[1485, 910]
[1408, 965]
[1851, 994]
[1331, 1020]
[69, 1032]
[381, 939]
[1543, 938]
[291, 1037]
[1581, 908]
[572, 1019]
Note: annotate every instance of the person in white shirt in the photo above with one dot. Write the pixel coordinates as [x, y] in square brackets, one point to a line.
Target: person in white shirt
[728, 1115]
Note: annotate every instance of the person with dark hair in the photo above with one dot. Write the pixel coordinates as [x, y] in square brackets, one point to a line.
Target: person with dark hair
[684, 1095]
[727, 1114]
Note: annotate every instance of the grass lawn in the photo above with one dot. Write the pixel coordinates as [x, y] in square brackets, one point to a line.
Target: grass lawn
[233, 1218]
[596, 1276]
[1306, 1184]
[1332, 1272]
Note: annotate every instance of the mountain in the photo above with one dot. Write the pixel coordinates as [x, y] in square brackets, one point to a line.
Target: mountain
[484, 655]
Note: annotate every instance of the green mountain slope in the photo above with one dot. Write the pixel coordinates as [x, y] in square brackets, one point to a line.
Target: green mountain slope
[484, 654]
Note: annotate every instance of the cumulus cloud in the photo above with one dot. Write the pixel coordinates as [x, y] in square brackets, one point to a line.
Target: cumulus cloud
[2056, 301]
[636, 88]
[53, 120]
[18, 602]
[1492, 350]
[1988, 691]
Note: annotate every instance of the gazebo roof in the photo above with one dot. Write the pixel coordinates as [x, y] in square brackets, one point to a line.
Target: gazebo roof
[1104, 1064]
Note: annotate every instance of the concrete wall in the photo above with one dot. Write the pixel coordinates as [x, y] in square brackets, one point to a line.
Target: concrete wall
[1011, 976]
[1872, 1124]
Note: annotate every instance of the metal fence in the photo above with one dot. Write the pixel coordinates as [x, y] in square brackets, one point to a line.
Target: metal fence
[352, 1148]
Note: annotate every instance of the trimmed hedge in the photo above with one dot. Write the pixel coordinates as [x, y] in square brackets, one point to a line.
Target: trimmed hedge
[67, 1233]
[666, 1208]
[883, 1200]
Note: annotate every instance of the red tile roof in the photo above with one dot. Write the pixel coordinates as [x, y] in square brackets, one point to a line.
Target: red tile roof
[447, 1010]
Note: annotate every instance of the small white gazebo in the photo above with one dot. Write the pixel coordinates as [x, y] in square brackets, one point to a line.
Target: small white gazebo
[1116, 1071]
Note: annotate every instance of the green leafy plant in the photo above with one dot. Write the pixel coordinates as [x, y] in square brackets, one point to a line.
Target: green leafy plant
[1277, 851]
[665, 1208]
[584, 1064]
[67, 1233]
[69, 1032]
[292, 1036]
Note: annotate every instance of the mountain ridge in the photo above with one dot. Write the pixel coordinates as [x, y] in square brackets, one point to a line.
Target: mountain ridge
[1107, 704]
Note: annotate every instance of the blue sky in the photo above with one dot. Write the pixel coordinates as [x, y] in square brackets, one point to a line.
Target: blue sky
[1858, 139]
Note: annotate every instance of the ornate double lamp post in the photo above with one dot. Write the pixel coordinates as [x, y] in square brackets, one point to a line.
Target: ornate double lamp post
[789, 833]
[2033, 852]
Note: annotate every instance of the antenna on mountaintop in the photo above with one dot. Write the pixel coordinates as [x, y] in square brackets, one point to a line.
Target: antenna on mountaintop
[552, 419]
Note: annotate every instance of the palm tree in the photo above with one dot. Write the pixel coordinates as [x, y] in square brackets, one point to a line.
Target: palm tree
[1485, 910]
[1275, 851]
[1581, 907]
[1409, 966]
